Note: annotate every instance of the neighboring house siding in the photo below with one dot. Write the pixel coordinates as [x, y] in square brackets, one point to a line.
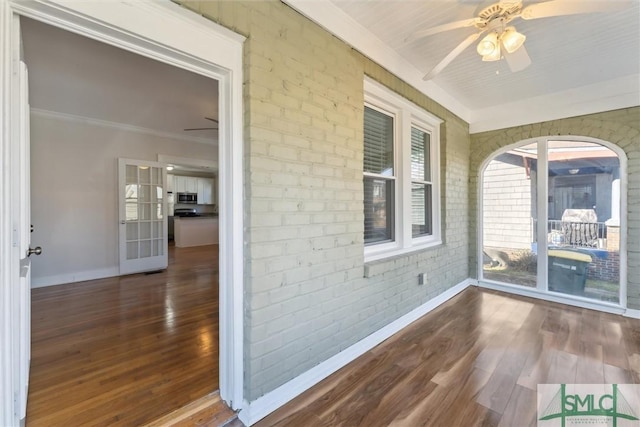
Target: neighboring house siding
[620, 127]
[507, 206]
[307, 297]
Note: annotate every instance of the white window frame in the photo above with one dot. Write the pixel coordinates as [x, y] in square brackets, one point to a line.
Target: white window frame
[406, 115]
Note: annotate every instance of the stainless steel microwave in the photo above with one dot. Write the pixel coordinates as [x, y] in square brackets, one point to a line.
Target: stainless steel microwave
[187, 198]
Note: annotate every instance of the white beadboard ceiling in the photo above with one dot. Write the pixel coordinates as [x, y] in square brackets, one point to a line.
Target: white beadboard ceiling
[75, 76]
[580, 63]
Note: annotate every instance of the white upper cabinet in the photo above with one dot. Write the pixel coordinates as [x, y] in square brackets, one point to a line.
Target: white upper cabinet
[178, 184]
[205, 191]
[185, 184]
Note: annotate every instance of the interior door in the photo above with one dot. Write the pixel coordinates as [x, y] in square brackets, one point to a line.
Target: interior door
[24, 305]
[143, 219]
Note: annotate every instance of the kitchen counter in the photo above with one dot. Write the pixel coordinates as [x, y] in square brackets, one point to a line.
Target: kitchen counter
[195, 231]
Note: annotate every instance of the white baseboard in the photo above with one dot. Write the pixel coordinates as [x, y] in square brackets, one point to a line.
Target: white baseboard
[254, 411]
[80, 276]
[554, 297]
[634, 314]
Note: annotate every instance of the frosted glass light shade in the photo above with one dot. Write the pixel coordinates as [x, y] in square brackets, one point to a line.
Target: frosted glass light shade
[493, 56]
[512, 40]
[488, 44]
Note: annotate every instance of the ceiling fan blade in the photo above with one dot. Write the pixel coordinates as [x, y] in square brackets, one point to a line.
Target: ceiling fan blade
[440, 28]
[518, 60]
[452, 55]
[199, 129]
[569, 7]
[213, 120]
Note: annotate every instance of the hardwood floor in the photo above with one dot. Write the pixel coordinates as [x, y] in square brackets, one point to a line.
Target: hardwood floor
[124, 351]
[475, 361]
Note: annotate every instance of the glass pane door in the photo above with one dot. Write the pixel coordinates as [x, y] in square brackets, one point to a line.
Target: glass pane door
[509, 220]
[143, 224]
[583, 230]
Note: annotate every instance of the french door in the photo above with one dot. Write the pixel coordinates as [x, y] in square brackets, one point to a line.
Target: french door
[143, 219]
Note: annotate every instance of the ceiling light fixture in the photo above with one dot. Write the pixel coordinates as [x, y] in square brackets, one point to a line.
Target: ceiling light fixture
[495, 55]
[489, 44]
[170, 167]
[509, 39]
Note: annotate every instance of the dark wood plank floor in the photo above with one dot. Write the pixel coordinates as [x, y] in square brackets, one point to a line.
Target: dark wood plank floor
[475, 361]
[125, 351]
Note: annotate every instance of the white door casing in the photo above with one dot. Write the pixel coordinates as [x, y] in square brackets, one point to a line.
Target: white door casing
[168, 33]
[15, 227]
[142, 216]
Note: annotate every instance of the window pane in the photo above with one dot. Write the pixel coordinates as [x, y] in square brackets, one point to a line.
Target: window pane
[583, 228]
[509, 217]
[421, 206]
[378, 142]
[420, 155]
[378, 210]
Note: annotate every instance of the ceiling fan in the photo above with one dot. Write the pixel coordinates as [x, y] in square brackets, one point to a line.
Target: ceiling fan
[502, 39]
[208, 118]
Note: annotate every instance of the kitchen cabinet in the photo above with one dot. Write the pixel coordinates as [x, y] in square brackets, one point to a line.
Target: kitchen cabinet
[178, 184]
[195, 231]
[185, 184]
[205, 191]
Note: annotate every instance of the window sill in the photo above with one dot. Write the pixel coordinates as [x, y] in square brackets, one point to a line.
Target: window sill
[378, 263]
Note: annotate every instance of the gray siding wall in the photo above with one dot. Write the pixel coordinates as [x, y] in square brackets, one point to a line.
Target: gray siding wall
[507, 208]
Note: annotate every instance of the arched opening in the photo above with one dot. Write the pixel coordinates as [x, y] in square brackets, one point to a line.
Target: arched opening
[551, 219]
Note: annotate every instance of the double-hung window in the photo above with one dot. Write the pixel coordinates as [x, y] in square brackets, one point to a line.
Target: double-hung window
[401, 174]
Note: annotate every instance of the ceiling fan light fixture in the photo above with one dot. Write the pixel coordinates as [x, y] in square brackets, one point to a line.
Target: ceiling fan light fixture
[512, 40]
[488, 45]
[493, 56]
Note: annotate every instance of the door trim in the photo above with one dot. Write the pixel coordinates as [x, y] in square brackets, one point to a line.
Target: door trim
[168, 33]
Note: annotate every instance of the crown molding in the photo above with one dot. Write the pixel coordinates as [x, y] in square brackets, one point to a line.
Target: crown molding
[119, 126]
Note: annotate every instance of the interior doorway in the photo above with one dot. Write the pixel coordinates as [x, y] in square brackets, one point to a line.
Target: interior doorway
[91, 105]
[170, 34]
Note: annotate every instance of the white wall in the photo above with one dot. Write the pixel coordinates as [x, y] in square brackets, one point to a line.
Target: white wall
[74, 204]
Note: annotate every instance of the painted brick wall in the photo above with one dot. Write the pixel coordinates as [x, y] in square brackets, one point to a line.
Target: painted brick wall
[307, 297]
[620, 127]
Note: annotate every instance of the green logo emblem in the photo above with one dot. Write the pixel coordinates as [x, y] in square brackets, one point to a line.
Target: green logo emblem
[613, 406]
